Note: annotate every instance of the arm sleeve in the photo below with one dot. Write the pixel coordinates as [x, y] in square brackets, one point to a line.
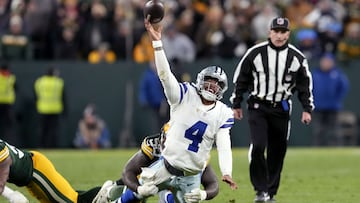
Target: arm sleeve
[242, 81]
[223, 145]
[304, 85]
[133, 169]
[210, 182]
[167, 78]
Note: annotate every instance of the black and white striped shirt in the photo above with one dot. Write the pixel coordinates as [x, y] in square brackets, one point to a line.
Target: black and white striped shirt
[273, 74]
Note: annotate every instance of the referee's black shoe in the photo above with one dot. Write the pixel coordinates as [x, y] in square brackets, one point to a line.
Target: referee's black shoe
[271, 199]
[261, 197]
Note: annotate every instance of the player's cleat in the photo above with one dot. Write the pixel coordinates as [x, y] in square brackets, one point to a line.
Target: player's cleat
[115, 192]
[101, 196]
[261, 197]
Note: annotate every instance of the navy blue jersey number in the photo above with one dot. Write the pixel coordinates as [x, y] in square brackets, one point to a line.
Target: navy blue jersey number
[195, 133]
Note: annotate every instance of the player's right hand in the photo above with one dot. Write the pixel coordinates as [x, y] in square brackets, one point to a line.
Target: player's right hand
[17, 197]
[154, 31]
[227, 179]
[196, 195]
[148, 189]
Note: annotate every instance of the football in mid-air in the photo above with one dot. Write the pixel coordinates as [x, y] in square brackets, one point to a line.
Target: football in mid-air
[154, 8]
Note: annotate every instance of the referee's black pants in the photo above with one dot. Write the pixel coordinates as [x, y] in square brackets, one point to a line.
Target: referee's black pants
[269, 129]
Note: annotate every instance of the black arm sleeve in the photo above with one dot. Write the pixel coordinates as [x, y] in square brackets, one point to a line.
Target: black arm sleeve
[303, 87]
[210, 182]
[243, 82]
[133, 169]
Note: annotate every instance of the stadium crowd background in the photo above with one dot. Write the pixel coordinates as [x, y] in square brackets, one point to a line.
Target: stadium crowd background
[82, 29]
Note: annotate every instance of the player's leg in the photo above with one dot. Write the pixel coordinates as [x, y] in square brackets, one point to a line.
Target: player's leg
[48, 185]
[184, 184]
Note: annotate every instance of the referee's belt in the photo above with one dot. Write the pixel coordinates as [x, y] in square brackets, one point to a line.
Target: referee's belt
[261, 100]
[176, 172]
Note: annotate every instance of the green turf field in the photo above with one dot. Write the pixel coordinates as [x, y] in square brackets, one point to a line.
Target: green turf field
[310, 175]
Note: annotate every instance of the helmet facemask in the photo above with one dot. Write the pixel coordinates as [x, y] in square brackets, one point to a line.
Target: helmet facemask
[211, 91]
[212, 83]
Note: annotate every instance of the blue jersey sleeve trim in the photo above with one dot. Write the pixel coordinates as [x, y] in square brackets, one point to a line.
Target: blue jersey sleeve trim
[229, 123]
[183, 90]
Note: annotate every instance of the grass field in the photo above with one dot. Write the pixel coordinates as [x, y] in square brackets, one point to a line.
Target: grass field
[310, 175]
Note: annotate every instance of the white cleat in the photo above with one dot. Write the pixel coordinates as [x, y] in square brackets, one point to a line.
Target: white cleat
[102, 195]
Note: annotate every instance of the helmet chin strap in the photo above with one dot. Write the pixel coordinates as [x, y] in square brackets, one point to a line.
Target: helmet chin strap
[208, 95]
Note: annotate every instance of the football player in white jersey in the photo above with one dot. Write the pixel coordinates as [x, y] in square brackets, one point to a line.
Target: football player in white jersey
[198, 119]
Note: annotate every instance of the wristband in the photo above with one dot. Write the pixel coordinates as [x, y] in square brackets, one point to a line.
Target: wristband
[157, 44]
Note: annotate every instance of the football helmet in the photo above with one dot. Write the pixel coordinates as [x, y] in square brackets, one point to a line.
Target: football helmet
[204, 87]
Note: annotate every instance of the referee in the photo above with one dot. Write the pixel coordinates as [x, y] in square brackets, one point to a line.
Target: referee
[270, 72]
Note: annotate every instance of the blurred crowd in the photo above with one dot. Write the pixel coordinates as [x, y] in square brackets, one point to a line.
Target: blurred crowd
[112, 30]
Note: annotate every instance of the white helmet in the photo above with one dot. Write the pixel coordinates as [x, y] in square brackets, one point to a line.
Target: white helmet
[214, 72]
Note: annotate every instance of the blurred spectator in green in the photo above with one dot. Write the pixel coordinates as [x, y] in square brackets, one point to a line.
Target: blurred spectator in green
[349, 45]
[92, 131]
[15, 44]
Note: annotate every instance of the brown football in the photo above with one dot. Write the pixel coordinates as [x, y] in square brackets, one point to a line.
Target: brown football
[154, 8]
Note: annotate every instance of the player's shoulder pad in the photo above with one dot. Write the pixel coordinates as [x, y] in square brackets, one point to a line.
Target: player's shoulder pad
[4, 151]
[150, 145]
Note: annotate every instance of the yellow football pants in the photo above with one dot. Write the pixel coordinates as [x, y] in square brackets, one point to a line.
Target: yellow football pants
[48, 185]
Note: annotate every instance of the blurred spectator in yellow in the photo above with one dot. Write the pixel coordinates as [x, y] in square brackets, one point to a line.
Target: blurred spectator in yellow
[7, 100]
[92, 131]
[143, 50]
[349, 45]
[15, 44]
[51, 104]
[103, 54]
[330, 86]
[296, 12]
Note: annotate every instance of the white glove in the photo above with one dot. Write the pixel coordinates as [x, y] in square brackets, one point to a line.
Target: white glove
[17, 197]
[148, 189]
[196, 195]
[147, 175]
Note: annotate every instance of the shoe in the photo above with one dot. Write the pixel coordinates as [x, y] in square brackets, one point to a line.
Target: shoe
[115, 192]
[261, 197]
[271, 199]
[102, 195]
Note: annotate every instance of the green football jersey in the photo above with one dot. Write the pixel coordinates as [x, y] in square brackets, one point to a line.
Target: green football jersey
[21, 169]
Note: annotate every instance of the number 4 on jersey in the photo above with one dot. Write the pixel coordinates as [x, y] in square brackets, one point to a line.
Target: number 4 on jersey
[195, 133]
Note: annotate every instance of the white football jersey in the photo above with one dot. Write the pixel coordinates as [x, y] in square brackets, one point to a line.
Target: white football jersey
[193, 129]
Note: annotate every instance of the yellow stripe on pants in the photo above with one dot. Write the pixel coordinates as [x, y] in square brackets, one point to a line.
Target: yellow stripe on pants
[48, 184]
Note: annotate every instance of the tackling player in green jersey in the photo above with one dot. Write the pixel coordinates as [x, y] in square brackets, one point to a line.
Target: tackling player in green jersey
[33, 170]
[149, 153]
